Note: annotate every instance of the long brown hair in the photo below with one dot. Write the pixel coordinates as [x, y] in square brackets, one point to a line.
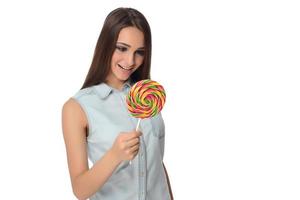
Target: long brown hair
[106, 44]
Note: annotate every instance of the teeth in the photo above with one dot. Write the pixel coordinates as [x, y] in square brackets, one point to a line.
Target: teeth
[124, 67]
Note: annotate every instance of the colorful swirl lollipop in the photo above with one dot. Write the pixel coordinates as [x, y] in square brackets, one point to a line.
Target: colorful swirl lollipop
[145, 99]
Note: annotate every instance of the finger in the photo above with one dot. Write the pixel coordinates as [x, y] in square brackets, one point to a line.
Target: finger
[131, 135]
[135, 152]
[139, 133]
[134, 148]
[134, 134]
[132, 142]
[133, 156]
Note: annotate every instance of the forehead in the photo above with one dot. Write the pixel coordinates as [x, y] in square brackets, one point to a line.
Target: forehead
[132, 36]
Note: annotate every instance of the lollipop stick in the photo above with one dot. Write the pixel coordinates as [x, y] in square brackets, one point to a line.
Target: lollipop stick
[136, 129]
[138, 124]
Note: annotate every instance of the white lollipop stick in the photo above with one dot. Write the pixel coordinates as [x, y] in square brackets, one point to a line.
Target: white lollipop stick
[137, 126]
[136, 129]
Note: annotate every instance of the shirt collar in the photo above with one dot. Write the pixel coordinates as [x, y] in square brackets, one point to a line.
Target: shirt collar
[104, 89]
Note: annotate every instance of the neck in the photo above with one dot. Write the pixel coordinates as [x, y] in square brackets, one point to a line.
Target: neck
[115, 83]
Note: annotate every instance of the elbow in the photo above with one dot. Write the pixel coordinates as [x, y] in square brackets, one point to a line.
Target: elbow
[81, 189]
[79, 194]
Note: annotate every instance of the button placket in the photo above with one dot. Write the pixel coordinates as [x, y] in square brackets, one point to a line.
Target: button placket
[141, 155]
[142, 169]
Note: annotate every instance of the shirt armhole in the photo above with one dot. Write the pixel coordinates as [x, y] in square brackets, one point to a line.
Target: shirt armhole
[83, 107]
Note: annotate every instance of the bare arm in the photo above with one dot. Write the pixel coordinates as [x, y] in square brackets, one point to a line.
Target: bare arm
[169, 185]
[85, 181]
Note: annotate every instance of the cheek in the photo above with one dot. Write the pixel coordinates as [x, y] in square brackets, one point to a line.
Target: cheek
[139, 60]
[115, 58]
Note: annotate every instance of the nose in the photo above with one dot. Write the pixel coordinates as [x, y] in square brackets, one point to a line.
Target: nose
[130, 59]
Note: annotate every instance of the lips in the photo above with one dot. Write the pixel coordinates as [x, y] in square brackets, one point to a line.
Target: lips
[128, 69]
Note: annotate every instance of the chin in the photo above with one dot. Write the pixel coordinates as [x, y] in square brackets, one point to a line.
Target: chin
[123, 78]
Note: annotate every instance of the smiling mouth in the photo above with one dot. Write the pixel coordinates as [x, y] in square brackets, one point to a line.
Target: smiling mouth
[128, 69]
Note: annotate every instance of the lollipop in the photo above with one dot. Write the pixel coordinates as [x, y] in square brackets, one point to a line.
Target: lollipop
[145, 99]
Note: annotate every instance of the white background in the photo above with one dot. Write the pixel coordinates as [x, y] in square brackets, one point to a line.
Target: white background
[230, 70]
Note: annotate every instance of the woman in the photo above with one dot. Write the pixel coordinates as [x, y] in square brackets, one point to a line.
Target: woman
[97, 125]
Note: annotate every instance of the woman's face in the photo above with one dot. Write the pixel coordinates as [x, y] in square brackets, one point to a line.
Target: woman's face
[127, 57]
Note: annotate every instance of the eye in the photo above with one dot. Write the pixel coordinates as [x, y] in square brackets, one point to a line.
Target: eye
[120, 48]
[141, 52]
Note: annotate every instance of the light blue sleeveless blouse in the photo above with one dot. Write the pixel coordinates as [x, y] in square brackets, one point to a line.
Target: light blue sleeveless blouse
[107, 116]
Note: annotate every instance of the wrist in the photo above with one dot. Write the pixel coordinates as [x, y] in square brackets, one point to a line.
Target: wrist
[113, 157]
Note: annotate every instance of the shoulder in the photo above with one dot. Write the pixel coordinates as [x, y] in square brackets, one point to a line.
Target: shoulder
[72, 111]
[71, 105]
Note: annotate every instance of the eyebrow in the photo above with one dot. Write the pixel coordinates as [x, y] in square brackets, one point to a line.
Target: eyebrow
[129, 45]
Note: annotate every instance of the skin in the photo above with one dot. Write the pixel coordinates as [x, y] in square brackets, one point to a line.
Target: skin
[129, 54]
[85, 182]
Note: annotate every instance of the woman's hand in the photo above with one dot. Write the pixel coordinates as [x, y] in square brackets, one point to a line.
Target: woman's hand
[126, 145]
